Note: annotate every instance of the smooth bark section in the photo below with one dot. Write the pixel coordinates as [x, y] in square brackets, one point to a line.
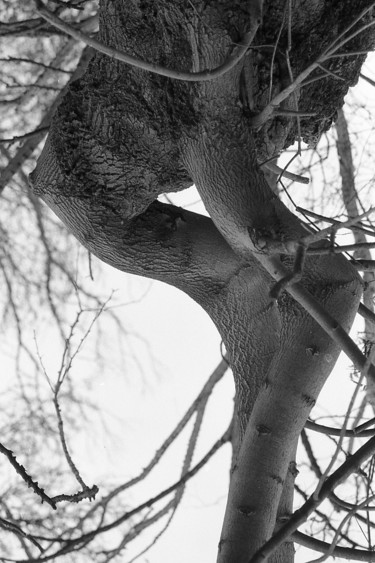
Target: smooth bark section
[297, 373]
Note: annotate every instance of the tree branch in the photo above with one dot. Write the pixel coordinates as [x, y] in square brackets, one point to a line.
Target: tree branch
[231, 61]
[267, 112]
[349, 553]
[358, 432]
[76, 543]
[301, 515]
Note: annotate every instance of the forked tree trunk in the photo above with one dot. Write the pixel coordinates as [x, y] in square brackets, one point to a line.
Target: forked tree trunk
[123, 136]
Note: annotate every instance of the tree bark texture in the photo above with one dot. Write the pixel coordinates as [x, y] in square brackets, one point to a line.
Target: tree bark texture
[123, 136]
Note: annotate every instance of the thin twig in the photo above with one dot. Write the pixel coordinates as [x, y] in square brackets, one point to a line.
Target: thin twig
[315, 237]
[203, 396]
[294, 113]
[282, 172]
[367, 78]
[335, 455]
[341, 248]
[37, 63]
[26, 477]
[76, 543]
[330, 73]
[351, 54]
[294, 276]
[360, 431]
[25, 135]
[12, 527]
[267, 112]
[332, 221]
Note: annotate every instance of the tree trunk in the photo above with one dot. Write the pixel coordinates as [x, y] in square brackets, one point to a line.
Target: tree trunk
[123, 136]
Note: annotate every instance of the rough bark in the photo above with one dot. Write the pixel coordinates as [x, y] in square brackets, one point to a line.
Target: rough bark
[122, 136]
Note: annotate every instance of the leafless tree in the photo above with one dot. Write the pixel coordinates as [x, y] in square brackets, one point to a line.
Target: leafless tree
[166, 95]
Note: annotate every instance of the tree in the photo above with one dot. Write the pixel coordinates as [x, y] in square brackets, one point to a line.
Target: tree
[243, 87]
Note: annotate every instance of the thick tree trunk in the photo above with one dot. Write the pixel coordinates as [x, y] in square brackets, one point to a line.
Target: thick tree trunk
[123, 136]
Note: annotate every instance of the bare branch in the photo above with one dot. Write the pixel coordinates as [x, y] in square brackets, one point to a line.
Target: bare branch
[73, 544]
[331, 548]
[369, 80]
[267, 112]
[282, 172]
[12, 527]
[209, 74]
[203, 396]
[366, 313]
[358, 432]
[300, 516]
[344, 552]
[335, 455]
[26, 477]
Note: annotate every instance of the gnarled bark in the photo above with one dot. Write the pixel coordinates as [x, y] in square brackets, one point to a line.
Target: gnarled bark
[122, 136]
